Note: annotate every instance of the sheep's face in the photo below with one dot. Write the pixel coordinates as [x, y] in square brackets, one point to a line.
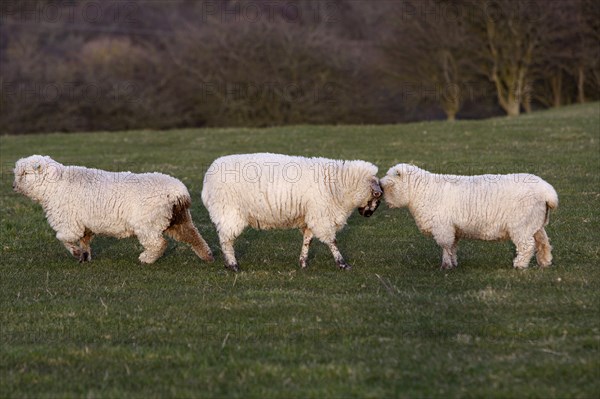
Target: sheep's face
[393, 193]
[396, 185]
[373, 199]
[33, 174]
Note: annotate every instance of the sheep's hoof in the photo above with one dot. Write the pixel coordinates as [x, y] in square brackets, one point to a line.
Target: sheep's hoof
[543, 263]
[209, 258]
[344, 266]
[146, 258]
[303, 263]
[233, 267]
[520, 267]
[447, 266]
[84, 257]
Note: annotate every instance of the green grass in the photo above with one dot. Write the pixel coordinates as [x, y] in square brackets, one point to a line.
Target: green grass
[394, 326]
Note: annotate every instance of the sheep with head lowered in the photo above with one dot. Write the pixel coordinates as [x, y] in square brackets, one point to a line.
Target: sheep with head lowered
[81, 202]
[485, 207]
[268, 191]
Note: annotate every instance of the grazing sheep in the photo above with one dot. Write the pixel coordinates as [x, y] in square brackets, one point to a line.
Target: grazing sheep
[486, 207]
[268, 191]
[80, 202]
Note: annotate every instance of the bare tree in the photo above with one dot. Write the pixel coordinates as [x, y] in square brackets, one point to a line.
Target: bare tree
[568, 56]
[261, 62]
[427, 47]
[585, 15]
[509, 34]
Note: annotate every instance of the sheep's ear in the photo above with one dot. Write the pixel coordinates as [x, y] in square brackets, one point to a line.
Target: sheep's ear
[406, 170]
[54, 171]
[376, 190]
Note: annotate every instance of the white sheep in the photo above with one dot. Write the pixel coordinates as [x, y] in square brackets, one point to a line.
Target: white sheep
[80, 202]
[485, 207]
[268, 191]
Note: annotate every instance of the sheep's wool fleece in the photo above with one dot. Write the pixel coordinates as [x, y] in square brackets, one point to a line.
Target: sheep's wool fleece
[117, 204]
[278, 191]
[487, 207]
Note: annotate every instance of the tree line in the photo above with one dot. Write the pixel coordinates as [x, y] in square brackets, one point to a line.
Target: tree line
[113, 65]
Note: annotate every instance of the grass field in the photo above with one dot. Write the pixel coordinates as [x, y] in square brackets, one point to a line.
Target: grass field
[393, 326]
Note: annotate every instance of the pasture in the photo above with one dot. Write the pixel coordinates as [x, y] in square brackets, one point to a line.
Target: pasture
[393, 326]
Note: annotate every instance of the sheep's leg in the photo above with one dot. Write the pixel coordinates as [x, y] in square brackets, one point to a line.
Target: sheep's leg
[73, 248]
[228, 232]
[447, 241]
[328, 238]
[337, 255]
[188, 233]
[454, 253]
[447, 258]
[543, 248]
[154, 247]
[308, 235]
[229, 254]
[71, 242]
[525, 249]
[86, 249]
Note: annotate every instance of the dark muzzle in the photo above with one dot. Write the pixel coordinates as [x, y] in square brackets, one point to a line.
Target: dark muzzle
[365, 212]
[368, 210]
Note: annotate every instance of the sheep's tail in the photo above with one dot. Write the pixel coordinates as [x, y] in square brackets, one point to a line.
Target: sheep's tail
[180, 209]
[182, 228]
[551, 201]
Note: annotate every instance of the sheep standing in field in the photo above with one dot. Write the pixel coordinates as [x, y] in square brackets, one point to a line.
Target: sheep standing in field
[80, 202]
[267, 191]
[486, 207]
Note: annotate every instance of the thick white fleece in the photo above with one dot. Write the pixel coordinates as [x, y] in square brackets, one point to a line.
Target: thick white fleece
[267, 191]
[486, 207]
[79, 201]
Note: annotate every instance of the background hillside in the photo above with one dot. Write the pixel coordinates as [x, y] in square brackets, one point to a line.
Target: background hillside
[91, 65]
